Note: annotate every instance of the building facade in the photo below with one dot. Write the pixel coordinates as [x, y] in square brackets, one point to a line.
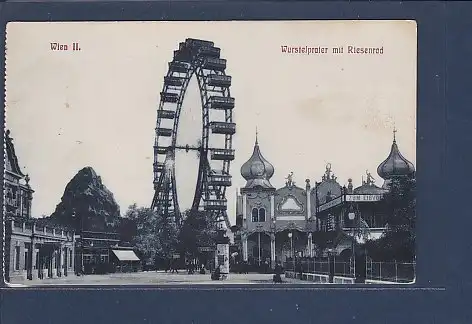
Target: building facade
[101, 252]
[277, 224]
[34, 249]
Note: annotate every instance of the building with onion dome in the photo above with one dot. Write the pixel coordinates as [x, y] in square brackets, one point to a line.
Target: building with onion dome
[277, 223]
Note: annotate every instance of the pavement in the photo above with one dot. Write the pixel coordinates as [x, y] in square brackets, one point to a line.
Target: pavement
[159, 278]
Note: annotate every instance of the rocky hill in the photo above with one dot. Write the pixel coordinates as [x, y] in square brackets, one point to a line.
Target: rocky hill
[88, 204]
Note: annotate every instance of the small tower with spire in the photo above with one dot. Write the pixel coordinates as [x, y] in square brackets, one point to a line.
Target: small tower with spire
[395, 165]
[257, 170]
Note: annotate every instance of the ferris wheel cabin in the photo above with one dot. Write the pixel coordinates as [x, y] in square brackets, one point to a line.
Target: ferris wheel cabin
[215, 204]
[215, 64]
[219, 179]
[216, 80]
[223, 128]
[160, 149]
[166, 114]
[169, 97]
[174, 81]
[220, 102]
[158, 166]
[193, 42]
[207, 51]
[167, 132]
[178, 67]
[222, 154]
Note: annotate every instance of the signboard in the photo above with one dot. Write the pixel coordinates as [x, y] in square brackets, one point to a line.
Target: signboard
[222, 257]
[176, 256]
[206, 249]
[331, 203]
[363, 198]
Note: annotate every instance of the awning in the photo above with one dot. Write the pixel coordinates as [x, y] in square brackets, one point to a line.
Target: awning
[125, 255]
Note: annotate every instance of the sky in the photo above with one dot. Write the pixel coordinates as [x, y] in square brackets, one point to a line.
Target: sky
[97, 106]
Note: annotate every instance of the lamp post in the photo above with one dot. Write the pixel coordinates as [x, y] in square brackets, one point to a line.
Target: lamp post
[352, 216]
[330, 265]
[290, 235]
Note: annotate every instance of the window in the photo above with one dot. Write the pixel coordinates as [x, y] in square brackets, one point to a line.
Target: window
[17, 258]
[258, 215]
[70, 258]
[255, 215]
[262, 216]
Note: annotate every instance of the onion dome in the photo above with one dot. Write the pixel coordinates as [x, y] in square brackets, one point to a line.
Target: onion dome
[395, 165]
[257, 170]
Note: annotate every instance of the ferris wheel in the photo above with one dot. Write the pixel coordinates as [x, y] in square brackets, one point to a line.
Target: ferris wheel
[201, 59]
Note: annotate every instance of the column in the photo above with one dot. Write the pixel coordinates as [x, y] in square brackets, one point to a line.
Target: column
[52, 271]
[34, 271]
[272, 250]
[310, 245]
[73, 248]
[244, 239]
[308, 199]
[61, 261]
[244, 207]
[272, 207]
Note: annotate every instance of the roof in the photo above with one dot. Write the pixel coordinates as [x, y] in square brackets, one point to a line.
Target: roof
[126, 255]
[12, 160]
[395, 164]
[368, 189]
[257, 170]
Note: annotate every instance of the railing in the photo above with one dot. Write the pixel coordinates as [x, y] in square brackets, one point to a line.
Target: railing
[27, 228]
[321, 266]
[399, 272]
[391, 271]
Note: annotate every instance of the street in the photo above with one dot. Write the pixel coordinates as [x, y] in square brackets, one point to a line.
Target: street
[157, 279]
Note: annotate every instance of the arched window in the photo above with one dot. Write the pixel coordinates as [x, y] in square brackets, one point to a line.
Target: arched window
[262, 215]
[255, 215]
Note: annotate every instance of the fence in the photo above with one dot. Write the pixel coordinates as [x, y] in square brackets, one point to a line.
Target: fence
[390, 271]
[399, 272]
[320, 266]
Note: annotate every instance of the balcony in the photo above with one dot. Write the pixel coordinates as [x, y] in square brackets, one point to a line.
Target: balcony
[219, 102]
[223, 128]
[169, 97]
[216, 64]
[166, 114]
[178, 67]
[222, 154]
[174, 81]
[215, 204]
[218, 179]
[216, 80]
[164, 132]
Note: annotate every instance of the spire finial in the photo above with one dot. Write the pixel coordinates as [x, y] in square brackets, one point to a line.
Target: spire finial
[394, 134]
[256, 137]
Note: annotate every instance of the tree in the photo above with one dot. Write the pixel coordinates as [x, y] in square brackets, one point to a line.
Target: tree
[398, 242]
[197, 231]
[156, 235]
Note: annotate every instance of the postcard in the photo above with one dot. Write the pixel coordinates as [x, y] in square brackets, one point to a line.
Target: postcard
[192, 153]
